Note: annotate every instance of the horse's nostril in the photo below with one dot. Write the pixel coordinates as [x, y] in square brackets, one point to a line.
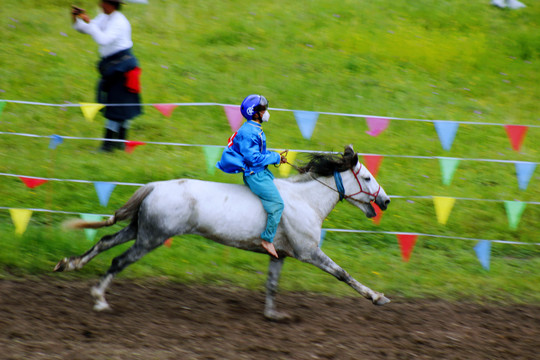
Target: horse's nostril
[387, 202]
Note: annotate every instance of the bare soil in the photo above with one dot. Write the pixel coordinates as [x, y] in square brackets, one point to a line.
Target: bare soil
[53, 319]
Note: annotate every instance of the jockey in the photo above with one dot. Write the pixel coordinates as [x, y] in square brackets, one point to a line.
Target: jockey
[246, 152]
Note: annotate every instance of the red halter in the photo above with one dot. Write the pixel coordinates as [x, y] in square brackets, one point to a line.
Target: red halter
[375, 194]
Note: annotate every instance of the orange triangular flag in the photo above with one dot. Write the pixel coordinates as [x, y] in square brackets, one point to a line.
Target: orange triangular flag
[131, 145]
[516, 134]
[32, 182]
[372, 163]
[165, 109]
[406, 244]
[168, 242]
[377, 218]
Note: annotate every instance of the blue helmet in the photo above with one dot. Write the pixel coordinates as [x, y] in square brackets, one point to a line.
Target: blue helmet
[253, 104]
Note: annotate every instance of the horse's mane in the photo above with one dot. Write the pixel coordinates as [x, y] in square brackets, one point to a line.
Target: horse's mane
[324, 164]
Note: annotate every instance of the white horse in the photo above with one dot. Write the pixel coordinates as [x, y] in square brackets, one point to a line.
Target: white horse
[232, 215]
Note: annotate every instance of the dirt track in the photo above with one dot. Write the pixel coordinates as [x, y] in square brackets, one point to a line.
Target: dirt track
[53, 320]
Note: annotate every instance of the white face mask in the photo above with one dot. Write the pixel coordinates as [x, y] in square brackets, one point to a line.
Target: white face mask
[266, 116]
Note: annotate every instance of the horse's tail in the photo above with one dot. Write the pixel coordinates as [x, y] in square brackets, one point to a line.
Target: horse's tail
[124, 213]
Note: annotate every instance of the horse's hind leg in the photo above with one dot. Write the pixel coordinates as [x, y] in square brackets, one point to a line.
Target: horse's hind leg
[322, 261]
[108, 241]
[274, 270]
[131, 255]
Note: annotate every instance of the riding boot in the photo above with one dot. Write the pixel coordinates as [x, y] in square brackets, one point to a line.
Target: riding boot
[108, 146]
[122, 136]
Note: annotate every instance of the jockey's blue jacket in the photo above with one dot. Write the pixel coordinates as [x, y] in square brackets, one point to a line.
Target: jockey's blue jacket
[246, 151]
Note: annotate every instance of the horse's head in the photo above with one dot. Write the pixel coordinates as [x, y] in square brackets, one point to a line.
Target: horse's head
[362, 189]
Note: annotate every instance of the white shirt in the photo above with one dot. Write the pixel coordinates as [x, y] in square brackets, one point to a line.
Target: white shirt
[111, 32]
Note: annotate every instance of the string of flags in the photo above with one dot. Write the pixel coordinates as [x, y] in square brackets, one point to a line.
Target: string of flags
[406, 241]
[307, 120]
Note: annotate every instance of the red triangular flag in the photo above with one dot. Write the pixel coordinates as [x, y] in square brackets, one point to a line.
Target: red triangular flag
[516, 134]
[165, 109]
[168, 242]
[372, 163]
[377, 218]
[406, 244]
[32, 182]
[131, 145]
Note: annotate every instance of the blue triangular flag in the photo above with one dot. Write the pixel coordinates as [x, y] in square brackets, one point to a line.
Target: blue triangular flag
[55, 141]
[447, 132]
[104, 191]
[483, 252]
[524, 171]
[306, 121]
[323, 234]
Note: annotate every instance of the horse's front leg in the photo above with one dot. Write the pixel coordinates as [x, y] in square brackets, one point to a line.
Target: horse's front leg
[274, 270]
[322, 261]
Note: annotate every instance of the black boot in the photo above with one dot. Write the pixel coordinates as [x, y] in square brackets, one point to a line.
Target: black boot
[108, 146]
[122, 136]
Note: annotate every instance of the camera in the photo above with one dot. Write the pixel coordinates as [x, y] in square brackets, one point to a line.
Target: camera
[75, 10]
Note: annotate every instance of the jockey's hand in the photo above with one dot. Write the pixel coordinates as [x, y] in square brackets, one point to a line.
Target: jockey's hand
[283, 155]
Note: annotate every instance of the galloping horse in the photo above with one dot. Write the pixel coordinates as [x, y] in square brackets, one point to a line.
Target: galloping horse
[231, 215]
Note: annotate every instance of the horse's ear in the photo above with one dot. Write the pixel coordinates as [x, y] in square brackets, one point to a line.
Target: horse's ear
[351, 154]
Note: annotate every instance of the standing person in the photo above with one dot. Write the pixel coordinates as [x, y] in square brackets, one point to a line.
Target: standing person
[246, 152]
[120, 74]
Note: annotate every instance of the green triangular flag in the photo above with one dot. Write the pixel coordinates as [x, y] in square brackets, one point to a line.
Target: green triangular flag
[211, 154]
[514, 209]
[2, 106]
[91, 233]
[448, 167]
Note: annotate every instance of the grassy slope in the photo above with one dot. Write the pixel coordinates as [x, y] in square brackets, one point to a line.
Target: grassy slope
[430, 59]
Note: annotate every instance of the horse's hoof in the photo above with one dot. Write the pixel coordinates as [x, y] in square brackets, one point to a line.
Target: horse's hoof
[381, 300]
[101, 305]
[62, 264]
[277, 316]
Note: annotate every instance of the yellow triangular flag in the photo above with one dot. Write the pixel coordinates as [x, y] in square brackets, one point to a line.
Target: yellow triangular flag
[90, 110]
[20, 218]
[285, 169]
[443, 207]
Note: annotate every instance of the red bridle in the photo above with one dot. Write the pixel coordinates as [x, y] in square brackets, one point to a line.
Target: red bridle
[375, 194]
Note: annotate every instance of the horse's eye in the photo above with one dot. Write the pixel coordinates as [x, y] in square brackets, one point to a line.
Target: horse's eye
[367, 178]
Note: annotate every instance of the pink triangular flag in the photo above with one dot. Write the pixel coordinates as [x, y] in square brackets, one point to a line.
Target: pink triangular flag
[234, 116]
[32, 182]
[516, 134]
[406, 244]
[377, 218]
[131, 145]
[376, 125]
[372, 163]
[165, 109]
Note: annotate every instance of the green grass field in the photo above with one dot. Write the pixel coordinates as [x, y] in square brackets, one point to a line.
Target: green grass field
[434, 60]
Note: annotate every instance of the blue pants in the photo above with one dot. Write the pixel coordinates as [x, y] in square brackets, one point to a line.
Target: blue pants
[262, 185]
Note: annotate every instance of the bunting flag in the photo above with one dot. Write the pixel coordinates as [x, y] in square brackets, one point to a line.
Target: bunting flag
[55, 141]
[443, 207]
[32, 182]
[90, 110]
[514, 210]
[165, 109]
[104, 191]
[132, 144]
[448, 167]
[168, 242]
[377, 218]
[483, 252]
[20, 218]
[524, 171]
[285, 169]
[447, 132]
[516, 134]
[2, 106]
[373, 162]
[376, 125]
[211, 155]
[306, 121]
[323, 234]
[91, 233]
[406, 244]
[234, 116]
